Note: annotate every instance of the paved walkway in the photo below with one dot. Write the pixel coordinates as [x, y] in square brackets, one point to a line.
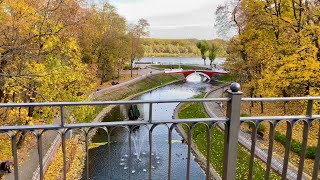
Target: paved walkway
[31, 162]
[29, 169]
[143, 73]
[214, 110]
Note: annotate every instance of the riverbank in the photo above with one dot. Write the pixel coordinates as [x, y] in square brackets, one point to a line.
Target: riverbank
[199, 157]
[196, 110]
[131, 91]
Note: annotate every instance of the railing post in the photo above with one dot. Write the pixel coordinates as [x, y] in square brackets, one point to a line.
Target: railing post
[232, 132]
[150, 113]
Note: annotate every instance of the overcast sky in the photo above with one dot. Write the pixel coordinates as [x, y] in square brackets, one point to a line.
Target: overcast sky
[172, 18]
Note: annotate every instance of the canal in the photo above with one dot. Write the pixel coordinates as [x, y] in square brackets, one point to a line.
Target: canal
[111, 160]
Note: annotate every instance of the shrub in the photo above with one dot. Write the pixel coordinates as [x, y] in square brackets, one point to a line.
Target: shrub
[296, 146]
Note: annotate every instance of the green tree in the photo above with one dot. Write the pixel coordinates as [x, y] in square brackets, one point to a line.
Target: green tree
[204, 47]
[212, 53]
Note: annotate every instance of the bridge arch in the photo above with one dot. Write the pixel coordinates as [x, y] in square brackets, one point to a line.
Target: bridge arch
[206, 73]
[199, 73]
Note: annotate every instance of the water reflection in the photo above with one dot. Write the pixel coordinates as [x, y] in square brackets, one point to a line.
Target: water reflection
[196, 78]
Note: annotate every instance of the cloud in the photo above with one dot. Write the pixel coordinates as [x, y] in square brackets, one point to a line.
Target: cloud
[165, 15]
[183, 32]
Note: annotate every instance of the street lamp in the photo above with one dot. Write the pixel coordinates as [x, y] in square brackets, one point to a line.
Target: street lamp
[180, 62]
[152, 60]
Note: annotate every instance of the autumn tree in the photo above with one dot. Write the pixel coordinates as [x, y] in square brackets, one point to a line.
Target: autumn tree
[276, 49]
[40, 58]
[135, 33]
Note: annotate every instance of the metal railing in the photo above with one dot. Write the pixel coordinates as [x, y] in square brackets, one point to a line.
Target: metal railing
[232, 122]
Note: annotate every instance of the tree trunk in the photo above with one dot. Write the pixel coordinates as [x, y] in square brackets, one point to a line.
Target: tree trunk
[118, 74]
[30, 114]
[284, 93]
[22, 138]
[251, 95]
[131, 67]
[261, 104]
[1, 95]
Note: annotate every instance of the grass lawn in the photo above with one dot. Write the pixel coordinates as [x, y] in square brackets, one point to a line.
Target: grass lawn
[196, 110]
[226, 78]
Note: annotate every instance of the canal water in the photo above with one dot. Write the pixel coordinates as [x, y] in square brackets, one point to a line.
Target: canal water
[115, 165]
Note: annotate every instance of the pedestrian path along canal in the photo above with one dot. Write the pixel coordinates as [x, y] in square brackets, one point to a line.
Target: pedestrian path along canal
[115, 165]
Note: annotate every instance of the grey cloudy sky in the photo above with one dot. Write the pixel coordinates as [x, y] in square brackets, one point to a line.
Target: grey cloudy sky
[172, 18]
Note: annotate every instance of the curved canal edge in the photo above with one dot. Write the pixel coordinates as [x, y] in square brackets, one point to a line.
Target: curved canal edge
[106, 110]
[199, 158]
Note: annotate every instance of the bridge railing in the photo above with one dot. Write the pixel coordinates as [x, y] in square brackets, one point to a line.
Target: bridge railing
[231, 121]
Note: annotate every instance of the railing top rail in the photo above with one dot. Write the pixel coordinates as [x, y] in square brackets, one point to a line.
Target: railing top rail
[98, 103]
[282, 99]
[262, 118]
[111, 124]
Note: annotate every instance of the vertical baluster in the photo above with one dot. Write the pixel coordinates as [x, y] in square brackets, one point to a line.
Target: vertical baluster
[317, 159]
[63, 137]
[109, 155]
[305, 138]
[287, 150]
[150, 112]
[15, 154]
[270, 148]
[252, 151]
[150, 154]
[189, 151]
[170, 150]
[63, 122]
[87, 153]
[130, 153]
[64, 152]
[39, 142]
[304, 149]
[208, 152]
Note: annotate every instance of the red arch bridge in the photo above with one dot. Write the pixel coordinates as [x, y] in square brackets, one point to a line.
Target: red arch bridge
[207, 73]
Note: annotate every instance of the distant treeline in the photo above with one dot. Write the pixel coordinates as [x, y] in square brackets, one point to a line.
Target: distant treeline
[178, 47]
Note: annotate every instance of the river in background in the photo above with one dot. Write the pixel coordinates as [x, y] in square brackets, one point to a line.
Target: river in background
[184, 60]
[115, 165]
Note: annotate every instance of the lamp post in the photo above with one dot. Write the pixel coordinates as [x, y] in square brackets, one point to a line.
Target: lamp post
[152, 60]
[180, 62]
